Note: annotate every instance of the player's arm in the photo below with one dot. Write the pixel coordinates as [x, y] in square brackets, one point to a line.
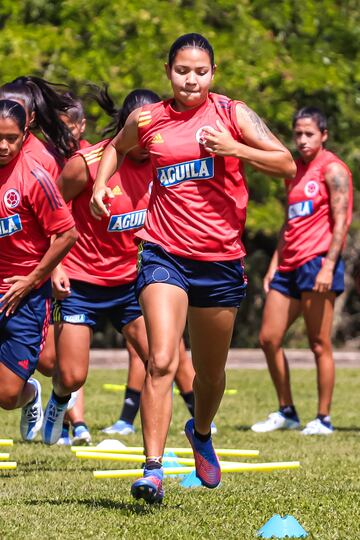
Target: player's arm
[22, 285]
[73, 178]
[111, 160]
[338, 183]
[260, 148]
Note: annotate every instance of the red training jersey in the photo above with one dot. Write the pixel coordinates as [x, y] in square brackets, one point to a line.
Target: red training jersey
[198, 202]
[38, 151]
[105, 252]
[31, 210]
[309, 227]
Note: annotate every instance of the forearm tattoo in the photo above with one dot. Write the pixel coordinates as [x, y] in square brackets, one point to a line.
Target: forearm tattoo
[338, 184]
[263, 132]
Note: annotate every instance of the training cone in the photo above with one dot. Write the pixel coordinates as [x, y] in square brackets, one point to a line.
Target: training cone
[191, 480]
[170, 460]
[282, 527]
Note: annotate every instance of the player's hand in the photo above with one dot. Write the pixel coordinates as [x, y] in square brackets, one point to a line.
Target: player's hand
[324, 280]
[20, 287]
[60, 284]
[267, 279]
[98, 207]
[219, 141]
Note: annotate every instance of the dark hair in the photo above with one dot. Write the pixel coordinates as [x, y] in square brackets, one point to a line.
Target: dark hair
[76, 111]
[314, 113]
[15, 111]
[134, 100]
[40, 96]
[193, 41]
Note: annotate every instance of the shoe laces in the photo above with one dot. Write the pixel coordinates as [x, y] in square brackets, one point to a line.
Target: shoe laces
[31, 412]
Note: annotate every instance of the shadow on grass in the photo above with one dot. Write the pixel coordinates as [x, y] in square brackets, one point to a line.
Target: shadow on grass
[243, 428]
[348, 429]
[109, 504]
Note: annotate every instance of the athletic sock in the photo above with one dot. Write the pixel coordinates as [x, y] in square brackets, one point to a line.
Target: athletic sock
[324, 419]
[289, 411]
[78, 424]
[153, 462]
[189, 399]
[202, 438]
[61, 400]
[131, 405]
[66, 425]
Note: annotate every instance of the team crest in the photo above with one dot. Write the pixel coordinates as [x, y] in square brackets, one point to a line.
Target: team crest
[11, 198]
[200, 135]
[311, 189]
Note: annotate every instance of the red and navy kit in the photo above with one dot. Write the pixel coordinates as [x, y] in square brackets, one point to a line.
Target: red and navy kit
[105, 253]
[197, 208]
[309, 227]
[36, 149]
[31, 210]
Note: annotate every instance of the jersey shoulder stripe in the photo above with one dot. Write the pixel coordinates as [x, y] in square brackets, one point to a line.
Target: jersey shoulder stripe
[48, 188]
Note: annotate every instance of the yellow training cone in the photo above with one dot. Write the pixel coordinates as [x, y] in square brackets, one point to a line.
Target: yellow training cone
[231, 452]
[225, 468]
[6, 442]
[7, 465]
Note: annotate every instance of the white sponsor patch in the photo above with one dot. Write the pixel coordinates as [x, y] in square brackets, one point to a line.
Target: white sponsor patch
[76, 319]
[300, 209]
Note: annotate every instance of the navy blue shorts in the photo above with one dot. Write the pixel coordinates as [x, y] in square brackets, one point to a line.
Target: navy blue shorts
[22, 335]
[88, 302]
[207, 284]
[302, 279]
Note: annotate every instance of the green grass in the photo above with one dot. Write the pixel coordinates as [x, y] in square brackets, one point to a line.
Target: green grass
[52, 495]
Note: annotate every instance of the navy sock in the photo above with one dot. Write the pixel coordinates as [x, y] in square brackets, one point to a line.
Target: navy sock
[153, 463]
[324, 419]
[189, 399]
[202, 438]
[289, 411]
[61, 400]
[131, 405]
[77, 424]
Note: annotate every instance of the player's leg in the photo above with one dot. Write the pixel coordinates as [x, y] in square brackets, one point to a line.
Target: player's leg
[279, 313]
[318, 310]
[47, 358]
[131, 404]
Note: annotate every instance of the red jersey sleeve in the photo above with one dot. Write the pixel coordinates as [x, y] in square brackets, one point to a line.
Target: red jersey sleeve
[50, 208]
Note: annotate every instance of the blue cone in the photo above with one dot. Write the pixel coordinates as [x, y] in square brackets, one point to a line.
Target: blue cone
[282, 527]
[191, 480]
[170, 461]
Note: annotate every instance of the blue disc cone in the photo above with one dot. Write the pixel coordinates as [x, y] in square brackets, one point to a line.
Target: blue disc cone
[191, 480]
[282, 527]
[170, 461]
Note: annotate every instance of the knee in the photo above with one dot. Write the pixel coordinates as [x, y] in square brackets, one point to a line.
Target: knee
[72, 380]
[320, 347]
[268, 341]
[161, 365]
[8, 400]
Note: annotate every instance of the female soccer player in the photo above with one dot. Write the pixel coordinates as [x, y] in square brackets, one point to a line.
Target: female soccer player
[97, 277]
[31, 210]
[43, 105]
[191, 258]
[75, 121]
[306, 272]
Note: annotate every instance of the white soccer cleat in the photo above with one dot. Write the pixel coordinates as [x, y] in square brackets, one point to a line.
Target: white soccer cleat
[53, 421]
[120, 427]
[317, 427]
[274, 421]
[32, 415]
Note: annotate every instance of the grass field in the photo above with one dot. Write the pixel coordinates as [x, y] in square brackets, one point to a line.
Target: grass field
[51, 495]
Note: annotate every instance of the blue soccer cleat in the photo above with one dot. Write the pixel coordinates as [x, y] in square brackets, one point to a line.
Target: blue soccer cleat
[53, 421]
[206, 462]
[149, 487]
[32, 415]
[81, 436]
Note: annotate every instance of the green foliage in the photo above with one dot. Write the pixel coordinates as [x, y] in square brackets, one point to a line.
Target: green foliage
[276, 56]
